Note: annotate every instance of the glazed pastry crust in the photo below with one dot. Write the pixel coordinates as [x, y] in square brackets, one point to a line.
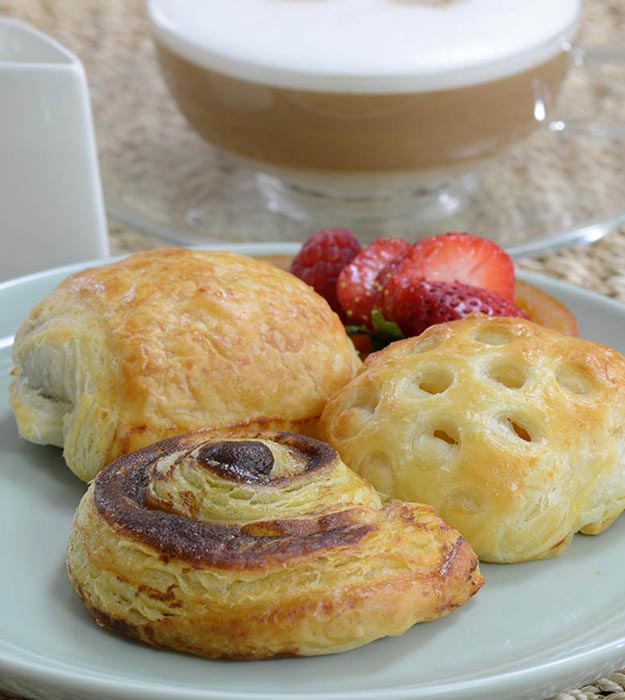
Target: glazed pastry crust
[259, 547]
[513, 432]
[169, 341]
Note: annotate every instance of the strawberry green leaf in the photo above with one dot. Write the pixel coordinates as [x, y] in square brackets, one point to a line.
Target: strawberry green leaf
[384, 328]
[384, 332]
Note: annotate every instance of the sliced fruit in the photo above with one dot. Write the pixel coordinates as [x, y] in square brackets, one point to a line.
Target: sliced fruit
[460, 257]
[423, 303]
[358, 289]
[539, 306]
[542, 308]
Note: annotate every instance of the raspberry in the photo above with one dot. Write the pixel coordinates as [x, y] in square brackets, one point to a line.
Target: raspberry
[321, 259]
[418, 304]
[359, 289]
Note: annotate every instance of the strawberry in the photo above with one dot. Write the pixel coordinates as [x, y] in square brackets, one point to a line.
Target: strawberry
[422, 303]
[359, 290]
[460, 257]
[321, 259]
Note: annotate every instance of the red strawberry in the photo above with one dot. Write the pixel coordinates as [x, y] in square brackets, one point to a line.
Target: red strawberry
[321, 259]
[460, 257]
[358, 288]
[420, 304]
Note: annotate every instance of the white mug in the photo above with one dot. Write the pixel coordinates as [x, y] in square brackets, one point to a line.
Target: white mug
[51, 204]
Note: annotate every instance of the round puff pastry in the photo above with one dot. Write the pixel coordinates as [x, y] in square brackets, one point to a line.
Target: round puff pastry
[252, 548]
[169, 341]
[513, 432]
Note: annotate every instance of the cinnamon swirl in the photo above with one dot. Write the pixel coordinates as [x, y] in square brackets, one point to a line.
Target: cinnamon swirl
[170, 341]
[258, 547]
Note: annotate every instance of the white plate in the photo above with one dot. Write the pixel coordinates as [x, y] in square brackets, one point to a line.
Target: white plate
[533, 630]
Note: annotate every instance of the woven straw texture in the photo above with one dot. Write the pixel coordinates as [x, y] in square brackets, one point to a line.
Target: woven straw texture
[112, 36]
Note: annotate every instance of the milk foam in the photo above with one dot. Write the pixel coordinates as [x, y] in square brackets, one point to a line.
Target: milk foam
[372, 46]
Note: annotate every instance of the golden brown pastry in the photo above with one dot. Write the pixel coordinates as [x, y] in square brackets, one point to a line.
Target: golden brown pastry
[258, 547]
[169, 341]
[513, 432]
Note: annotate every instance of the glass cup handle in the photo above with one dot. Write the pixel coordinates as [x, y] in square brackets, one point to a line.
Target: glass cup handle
[599, 87]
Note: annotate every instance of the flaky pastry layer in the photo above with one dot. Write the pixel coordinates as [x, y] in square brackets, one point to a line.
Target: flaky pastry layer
[260, 547]
[513, 432]
[169, 341]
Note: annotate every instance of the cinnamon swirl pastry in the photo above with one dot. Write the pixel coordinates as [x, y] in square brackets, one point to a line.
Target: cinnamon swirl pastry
[252, 548]
[513, 432]
[169, 341]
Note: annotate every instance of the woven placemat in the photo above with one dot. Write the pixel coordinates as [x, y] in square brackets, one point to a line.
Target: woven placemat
[111, 37]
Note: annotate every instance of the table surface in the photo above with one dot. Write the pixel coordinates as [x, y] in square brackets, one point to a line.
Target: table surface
[112, 36]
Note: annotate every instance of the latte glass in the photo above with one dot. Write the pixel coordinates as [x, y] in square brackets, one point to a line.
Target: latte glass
[364, 107]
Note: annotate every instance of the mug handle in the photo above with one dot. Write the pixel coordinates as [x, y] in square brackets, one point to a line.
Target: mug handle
[595, 61]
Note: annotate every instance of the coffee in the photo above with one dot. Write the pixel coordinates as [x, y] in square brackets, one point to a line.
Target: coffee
[359, 132]
[407, 86]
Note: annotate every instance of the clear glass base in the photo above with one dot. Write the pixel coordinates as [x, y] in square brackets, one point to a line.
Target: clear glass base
[392, 210]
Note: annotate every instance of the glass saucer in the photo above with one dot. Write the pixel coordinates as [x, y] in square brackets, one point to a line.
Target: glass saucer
[562, 185]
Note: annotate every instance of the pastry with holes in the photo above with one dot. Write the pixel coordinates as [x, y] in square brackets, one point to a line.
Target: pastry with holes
[515, 433]
[260, 547]
[170, 341]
